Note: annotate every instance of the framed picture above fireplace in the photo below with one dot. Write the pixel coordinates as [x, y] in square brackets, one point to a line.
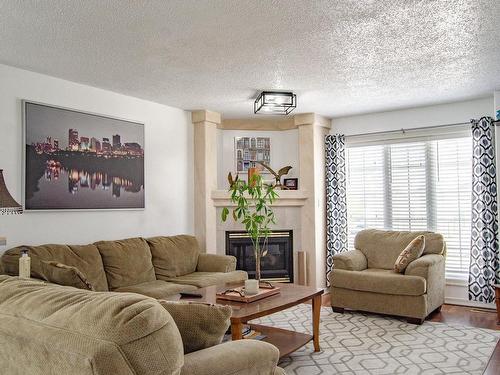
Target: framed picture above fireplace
[77, 160]
[251, 150]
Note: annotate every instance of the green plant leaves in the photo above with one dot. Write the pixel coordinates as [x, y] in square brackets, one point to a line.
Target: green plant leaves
[225, 212]
[253, 209]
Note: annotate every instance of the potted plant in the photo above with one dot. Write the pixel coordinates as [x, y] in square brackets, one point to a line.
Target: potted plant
[252, 208]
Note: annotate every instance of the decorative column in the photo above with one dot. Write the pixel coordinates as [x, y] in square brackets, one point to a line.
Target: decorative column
[205, 177]
[312, 131]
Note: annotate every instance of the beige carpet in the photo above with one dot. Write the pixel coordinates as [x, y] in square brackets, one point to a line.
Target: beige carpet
[355, 343]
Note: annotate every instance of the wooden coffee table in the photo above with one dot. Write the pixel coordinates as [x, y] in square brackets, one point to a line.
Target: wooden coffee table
[290, 295]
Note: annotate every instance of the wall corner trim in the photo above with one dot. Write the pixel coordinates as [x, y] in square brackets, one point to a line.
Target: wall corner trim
[312, 119]
[264, 124]
[205, 116]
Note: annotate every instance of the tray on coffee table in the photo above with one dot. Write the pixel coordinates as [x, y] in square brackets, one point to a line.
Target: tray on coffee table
[237, 294]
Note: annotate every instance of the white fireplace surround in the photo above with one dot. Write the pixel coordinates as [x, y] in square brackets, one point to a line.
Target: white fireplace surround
[303, 211]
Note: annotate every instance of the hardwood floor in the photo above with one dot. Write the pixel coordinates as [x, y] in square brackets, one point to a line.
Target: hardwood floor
[467, 316]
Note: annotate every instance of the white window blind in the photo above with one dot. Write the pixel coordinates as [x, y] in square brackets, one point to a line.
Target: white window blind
[453, 202]
[408, 168]
[421, 184]
[365, 200]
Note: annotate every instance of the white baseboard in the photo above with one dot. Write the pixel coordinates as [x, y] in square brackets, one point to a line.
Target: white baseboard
[464, 302]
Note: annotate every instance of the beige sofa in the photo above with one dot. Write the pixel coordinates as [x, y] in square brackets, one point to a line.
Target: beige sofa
[156, 267]
[52, 329]
[363, 279]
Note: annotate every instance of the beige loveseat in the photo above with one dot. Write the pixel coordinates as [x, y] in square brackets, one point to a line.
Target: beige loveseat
[52, 329]
[363, 279]
[156, 267]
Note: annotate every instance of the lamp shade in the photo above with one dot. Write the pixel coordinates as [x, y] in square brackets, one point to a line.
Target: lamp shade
[8, 205]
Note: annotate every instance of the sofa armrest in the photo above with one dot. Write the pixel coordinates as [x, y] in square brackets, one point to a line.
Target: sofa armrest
[353, 260]
[241, 357]
[216, 263]
[431, 268]
[427, 266]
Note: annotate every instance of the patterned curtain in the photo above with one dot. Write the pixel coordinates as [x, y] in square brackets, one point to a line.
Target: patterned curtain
[336, 205]
[484, 266]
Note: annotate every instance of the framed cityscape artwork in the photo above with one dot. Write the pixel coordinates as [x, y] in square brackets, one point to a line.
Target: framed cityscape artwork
[251, 150]
[81, 161]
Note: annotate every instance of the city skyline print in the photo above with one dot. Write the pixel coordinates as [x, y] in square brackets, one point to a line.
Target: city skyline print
[81, 161]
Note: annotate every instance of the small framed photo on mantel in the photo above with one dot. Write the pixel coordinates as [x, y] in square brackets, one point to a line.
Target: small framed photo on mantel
[291, 183]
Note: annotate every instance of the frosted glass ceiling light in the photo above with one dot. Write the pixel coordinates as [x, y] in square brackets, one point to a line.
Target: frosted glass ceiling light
[275, 102]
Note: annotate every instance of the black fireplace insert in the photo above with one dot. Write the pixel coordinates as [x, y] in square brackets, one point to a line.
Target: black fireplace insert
[276, 265]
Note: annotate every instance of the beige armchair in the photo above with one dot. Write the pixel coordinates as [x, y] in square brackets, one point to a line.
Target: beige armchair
[363, 279]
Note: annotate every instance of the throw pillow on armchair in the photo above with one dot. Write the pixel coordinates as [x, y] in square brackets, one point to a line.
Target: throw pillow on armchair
[413, 251]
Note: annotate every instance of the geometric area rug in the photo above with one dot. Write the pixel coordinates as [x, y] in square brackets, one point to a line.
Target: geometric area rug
[364, 344]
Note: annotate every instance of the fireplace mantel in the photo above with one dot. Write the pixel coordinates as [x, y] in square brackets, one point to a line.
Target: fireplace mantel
[287, 198]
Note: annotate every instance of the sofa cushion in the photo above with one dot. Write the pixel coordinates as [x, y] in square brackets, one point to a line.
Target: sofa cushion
[157, 289]
[382, 247]
[379, 281]
[126, 262]
[117, 333]
[352, 260]
[85, 258]
[216, 263]
[203, 279]
[62, 274]
[410, 253]
[201, 325]
[234, 358]
[174, 256]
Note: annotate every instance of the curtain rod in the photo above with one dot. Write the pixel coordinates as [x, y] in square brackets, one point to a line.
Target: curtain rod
[496, 122]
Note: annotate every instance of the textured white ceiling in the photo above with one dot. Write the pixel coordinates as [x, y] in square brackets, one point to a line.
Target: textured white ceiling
[340, 57]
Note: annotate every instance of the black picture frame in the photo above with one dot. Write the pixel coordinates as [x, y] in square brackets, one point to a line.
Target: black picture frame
[76, 160]
[291, 183]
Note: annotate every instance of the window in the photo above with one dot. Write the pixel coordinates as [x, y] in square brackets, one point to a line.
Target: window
[421, 184]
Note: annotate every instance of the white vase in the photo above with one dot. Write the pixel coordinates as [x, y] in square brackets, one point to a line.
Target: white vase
[251, 287]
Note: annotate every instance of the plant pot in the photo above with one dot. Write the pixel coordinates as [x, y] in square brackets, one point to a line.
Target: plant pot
[253, 171]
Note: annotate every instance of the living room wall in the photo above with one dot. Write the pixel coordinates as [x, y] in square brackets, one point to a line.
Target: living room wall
[168, 164]
[456, 290]
[414, 117]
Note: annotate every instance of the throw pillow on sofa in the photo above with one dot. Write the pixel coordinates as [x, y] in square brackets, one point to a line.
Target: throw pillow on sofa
[175, 255]
[201, 325]
[413, 251]
[126, 262]
[62, 274]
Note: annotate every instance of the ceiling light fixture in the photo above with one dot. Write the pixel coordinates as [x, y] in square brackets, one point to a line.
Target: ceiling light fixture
[275, 103]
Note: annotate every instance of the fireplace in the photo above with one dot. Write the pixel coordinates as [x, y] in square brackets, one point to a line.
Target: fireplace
[277, 265]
